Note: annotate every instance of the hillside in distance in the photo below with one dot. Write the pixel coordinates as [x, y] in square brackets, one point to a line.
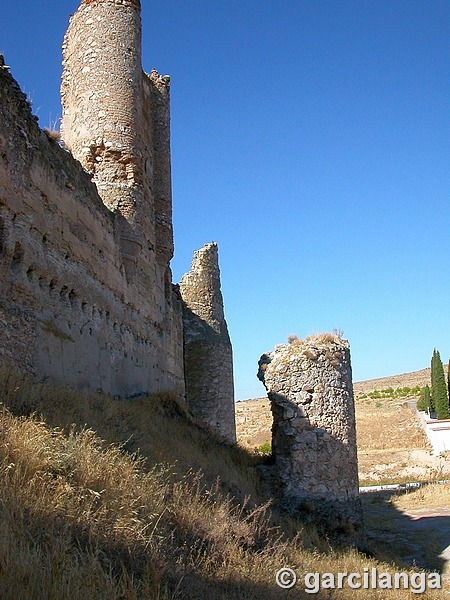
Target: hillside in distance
[413, 379]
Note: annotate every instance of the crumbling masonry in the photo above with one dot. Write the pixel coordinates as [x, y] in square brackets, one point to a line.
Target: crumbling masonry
[86, 294]
[309, 384]
[207, 348]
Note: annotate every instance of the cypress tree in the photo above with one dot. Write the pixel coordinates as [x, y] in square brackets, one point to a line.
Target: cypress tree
[432, 406]
[448, 381]
[439, 388]
[424, 401]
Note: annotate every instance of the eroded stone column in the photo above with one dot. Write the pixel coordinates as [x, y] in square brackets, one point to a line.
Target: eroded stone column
[102, 124]
[309, 384]
[101, 94]
[207, 347]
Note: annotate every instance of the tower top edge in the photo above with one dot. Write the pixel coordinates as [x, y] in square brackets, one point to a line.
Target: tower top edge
[133, 3]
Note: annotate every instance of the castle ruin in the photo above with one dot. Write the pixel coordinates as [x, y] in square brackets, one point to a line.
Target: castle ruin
[86, 293]
[86, 296]
[309, 385]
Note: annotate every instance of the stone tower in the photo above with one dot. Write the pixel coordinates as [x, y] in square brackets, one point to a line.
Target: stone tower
[86, 294]
[207, 346]
[116, 122]
[309, 384]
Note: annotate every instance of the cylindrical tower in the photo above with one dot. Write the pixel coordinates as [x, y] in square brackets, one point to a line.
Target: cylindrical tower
[102, 99]
[309, 384]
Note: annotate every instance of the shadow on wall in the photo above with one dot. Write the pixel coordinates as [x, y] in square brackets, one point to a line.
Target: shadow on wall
[312, 473]
[208, 368]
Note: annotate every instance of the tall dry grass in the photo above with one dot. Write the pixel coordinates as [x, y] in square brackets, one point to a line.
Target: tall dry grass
[158, 426]
[85, 518]
[434, 495]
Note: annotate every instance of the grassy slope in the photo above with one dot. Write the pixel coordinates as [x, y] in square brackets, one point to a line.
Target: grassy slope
[84, 518]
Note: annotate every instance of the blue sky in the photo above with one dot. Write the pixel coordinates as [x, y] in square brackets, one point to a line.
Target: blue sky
[310, 139]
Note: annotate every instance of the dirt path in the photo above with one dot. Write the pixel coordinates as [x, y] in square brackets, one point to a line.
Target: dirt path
[410, 537]
[431, 526]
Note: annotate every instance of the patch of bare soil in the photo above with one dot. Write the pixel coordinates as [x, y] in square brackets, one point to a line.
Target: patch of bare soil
[253, 422]
[392, 446]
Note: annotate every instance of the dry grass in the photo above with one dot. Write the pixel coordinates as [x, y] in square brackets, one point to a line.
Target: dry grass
[388, 425]
[324, 338]
[53, 134]
[319, 339]
[435, 495]
[69, 504]
[157, 426]
[83, 518]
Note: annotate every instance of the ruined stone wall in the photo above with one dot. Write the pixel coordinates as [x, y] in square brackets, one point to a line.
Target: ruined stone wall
[86, 296]
[67, 311]
[207, 346]
[309, 385]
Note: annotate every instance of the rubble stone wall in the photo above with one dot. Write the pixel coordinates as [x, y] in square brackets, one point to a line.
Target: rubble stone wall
[309, 384]
[207, 345]
[67, 311]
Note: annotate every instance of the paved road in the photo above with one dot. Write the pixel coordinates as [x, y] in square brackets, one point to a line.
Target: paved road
[398, 486]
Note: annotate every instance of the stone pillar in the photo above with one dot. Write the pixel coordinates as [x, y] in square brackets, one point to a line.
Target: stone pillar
[309, 384]
[102, 99]
[207, 347]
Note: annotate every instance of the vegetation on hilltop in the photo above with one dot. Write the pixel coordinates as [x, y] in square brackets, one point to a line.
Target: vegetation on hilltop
[390, 392]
